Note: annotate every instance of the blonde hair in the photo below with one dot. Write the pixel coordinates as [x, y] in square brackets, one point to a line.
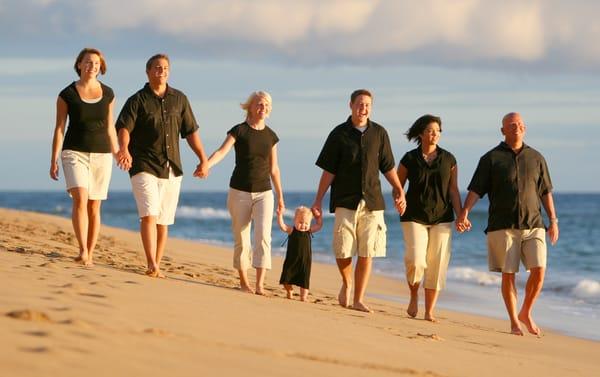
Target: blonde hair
[303, 211]
[258, 94]
[83, 53]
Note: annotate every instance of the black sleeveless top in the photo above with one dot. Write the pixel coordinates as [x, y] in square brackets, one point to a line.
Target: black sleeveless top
[87, 130]
[298, 259]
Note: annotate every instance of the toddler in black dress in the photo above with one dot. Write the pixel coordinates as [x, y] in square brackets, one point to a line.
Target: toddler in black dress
[298, 257]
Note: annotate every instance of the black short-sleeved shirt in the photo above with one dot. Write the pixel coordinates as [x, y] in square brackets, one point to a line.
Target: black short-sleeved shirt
[515, 183]
[88, 122]
[428, 198]
[252, 172]
[155, 125]
[356, 158]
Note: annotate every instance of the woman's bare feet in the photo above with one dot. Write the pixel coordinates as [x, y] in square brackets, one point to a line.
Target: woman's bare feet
[361, 307]
[413, 305]
[246, 289]
[530, 324]
[515, 329]
[429, 317]
[344, 296]
[81, 258]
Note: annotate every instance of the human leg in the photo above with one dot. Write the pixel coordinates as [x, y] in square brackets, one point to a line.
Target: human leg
[93, 213]
[239, 204]
[438, 257]
[345, 268]
[415, 252]
[148, 231]
[289, 290]
[303, 294]
[361, 276]
[533, 288]
[262, 217]
[79, 218]
[509, 294]
[162, 234]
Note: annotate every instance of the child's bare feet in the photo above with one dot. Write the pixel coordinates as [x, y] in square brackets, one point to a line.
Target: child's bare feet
[303, 294]
[344, 296]
[289, 294]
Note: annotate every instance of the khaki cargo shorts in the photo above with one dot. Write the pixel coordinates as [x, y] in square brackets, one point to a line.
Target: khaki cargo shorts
[360, 232]
[507, 247]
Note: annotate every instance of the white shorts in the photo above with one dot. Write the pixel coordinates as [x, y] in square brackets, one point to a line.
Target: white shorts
[360, 232]
[90, 171]
[156, 196]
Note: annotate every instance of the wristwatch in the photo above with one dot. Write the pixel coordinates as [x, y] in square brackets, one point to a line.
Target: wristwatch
[554, 220]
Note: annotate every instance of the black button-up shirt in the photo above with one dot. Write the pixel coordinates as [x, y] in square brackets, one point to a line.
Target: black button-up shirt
[155, 124]
[515, 183]
[356, 158]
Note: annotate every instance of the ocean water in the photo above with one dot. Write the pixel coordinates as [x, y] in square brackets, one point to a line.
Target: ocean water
[570, 301]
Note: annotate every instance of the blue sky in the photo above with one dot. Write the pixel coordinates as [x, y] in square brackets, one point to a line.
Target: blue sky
[468, 61]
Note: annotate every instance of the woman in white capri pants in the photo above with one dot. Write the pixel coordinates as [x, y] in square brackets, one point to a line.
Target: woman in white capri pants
[87, 148]
[427, 222]
[250, 199]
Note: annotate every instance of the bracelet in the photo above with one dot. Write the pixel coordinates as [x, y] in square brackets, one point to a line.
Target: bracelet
[554, 220]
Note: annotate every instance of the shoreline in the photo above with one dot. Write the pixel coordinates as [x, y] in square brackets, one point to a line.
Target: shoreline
[93, 318]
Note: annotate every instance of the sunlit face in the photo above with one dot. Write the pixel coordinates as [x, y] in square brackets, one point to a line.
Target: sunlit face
[431, 134]
[361, 109]
[302, 221]
[513, 128]
[260, 108]
[90, 65]
[158, 74]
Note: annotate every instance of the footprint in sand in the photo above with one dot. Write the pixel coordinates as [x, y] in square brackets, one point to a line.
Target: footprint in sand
[29, 315]
[155, 331]
[430, 336]
[35, 349]
[40, 334]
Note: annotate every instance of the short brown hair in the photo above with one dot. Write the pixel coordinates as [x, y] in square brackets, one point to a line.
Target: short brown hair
[83, 53]
[360, 92]
[156, 57]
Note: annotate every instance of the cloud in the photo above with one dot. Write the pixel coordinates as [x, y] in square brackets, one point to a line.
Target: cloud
[546, 34]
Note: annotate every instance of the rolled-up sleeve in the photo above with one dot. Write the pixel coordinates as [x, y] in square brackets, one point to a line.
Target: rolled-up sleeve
[480, 182]
[128, 115]
[188, 121]
[386, 156]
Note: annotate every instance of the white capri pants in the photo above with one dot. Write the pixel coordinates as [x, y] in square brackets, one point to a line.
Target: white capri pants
[244, 208]
[427, 253]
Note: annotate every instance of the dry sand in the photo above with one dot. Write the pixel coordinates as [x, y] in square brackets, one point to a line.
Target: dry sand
[62, 319]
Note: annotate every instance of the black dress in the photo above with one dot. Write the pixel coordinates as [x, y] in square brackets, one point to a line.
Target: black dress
[298, 257]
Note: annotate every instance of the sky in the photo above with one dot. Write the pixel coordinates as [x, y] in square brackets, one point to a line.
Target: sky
[467, 61]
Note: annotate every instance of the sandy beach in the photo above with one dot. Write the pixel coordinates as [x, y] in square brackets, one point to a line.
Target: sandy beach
[62, 319]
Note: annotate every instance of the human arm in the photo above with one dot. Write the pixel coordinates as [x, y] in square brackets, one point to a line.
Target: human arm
[319, 221]
[59, 133]
[124, 159]
[454, 193]
[397, 190]
[195, 143]
[282, 225]
[276, 179]
[324, 183]
[112, 131]
[220, 153]
[548, 203]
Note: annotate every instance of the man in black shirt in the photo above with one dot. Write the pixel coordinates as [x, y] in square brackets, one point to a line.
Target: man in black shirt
[352, 157]
[149, 127]
[516, 179]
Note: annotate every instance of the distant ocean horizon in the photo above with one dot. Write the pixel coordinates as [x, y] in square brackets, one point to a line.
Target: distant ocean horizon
[570, 301]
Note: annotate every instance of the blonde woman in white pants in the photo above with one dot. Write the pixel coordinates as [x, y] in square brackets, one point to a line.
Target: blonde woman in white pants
[250, 200]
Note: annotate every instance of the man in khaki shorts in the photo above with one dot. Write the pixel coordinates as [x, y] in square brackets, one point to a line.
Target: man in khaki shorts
[515, 177]
[352, 157]
[149, 127]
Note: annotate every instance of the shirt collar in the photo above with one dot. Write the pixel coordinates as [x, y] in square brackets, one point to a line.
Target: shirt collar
[168, 92]
[349, 122]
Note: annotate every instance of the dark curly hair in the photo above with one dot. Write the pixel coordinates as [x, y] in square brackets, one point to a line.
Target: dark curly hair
[419, 126]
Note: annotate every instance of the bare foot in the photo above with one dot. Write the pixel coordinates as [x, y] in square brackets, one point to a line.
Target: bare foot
[151, 273]
[344, 296]
[304, 298]
[413, 306]
[88, 263]
[246, 289]
[261, 292]
[361, 307]
[159, 274]
[81, 258]
[515, 329]
[289, 294]
[528, 322]
[429, 317]
[303, 294]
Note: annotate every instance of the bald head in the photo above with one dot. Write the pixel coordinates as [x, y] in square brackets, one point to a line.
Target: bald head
[511, 117]
[513, 129]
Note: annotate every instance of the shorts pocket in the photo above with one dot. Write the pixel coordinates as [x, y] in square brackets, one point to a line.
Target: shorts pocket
[379, 245]
[342, 241]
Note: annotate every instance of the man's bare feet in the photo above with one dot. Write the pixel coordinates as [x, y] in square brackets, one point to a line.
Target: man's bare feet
[413, 306]
[361, 307]
[344, 296]
[81, 258]
[429, 317]
[530, 324]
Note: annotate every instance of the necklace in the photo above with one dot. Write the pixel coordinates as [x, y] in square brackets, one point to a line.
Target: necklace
[429, 157]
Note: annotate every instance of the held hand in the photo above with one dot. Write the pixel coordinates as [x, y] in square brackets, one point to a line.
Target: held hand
[316, 208]
[280, 207]
[316, 213]
[400, 202]
[553, 233]
[463, 224]
[202, 170]
[124, 159]
[54, 170]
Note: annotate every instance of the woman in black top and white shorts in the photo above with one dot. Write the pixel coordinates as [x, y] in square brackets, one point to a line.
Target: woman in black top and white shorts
[427, 222]
[87, 147]
[250, 198]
